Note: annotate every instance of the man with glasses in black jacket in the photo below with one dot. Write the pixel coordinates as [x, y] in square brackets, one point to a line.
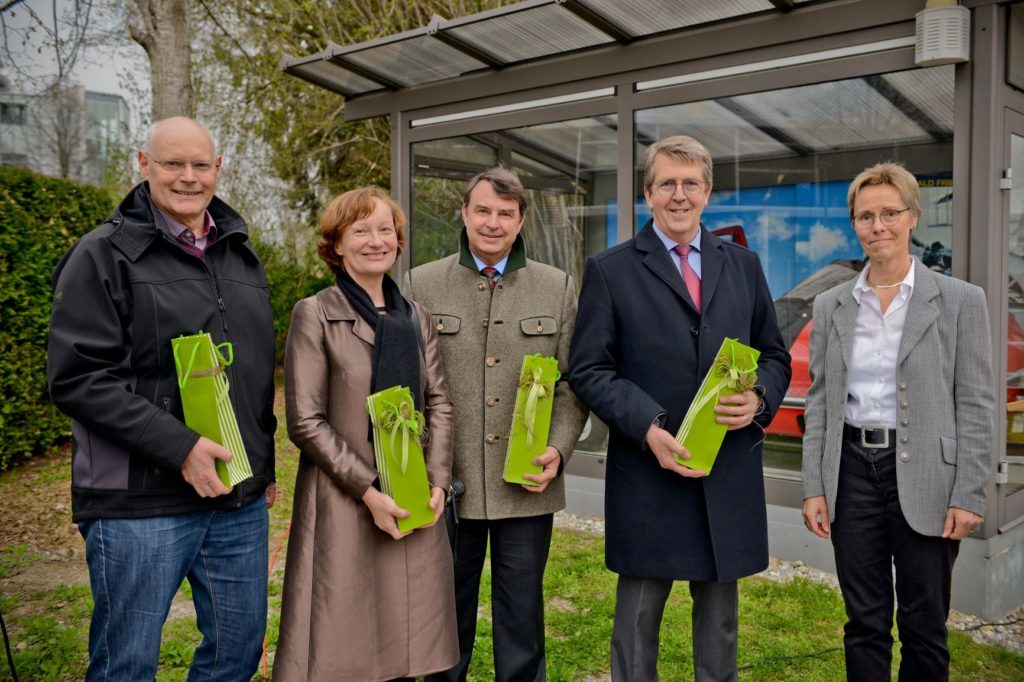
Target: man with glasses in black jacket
[172, 260]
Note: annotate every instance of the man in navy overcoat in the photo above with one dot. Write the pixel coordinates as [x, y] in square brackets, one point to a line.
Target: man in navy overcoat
[653, 312]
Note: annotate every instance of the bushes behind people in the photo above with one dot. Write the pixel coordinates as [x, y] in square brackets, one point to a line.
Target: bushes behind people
[40, 218]
[294, 272]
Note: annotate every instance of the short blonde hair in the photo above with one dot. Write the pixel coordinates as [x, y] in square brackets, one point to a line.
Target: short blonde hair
[682, 148]
[892, 174]
[344, 210]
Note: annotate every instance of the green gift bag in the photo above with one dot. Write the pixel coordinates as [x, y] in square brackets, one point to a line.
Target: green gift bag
[733, 371]
[531, 420]
[205, 400]
[397, 428]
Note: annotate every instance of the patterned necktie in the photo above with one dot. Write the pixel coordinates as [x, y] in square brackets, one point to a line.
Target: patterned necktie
[690, 278]
[491, 273]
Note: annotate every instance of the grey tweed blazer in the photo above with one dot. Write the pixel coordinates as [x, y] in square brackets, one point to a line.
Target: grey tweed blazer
[945, 391]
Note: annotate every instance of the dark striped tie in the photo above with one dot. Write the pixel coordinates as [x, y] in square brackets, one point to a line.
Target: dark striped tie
[490, 273]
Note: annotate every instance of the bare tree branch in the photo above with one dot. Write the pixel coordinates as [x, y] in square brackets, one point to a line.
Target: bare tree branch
[216, 21]
[65, 37]
[10, 5]
[59, 125]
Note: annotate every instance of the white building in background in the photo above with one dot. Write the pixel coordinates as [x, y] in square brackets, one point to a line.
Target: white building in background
[14, 118]
[107, 133]
[76, 134]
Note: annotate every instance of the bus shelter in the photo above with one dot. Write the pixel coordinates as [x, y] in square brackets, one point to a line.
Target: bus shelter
[792, 98]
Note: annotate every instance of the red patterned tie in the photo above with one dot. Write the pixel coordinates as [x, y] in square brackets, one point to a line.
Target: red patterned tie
[690, 278]
[491, 273]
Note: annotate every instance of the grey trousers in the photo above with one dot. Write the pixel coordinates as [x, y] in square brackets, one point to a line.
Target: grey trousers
[639, 606]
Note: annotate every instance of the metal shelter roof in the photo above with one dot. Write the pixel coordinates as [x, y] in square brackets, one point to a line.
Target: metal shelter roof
[523, 32]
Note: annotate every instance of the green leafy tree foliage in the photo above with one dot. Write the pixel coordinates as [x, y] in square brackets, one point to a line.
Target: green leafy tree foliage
[41, 218]
[302, 127]
[294, 272]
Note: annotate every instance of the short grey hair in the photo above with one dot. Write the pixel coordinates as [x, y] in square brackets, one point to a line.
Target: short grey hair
[681, 148]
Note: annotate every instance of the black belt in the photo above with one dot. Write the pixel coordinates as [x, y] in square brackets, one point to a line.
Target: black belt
[870, 436]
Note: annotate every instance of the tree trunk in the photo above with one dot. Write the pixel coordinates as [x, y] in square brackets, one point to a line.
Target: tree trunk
[162, 28]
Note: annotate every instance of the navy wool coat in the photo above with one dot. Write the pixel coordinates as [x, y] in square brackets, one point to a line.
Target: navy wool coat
[640, 350]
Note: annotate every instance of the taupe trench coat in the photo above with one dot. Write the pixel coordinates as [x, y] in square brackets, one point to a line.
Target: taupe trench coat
[357, 605]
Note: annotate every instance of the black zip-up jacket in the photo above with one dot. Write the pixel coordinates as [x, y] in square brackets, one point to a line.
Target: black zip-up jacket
[121, 293]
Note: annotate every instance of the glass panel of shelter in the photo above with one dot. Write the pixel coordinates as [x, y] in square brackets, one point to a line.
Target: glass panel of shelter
[567, 167]
[1015, 323]
[783, 160]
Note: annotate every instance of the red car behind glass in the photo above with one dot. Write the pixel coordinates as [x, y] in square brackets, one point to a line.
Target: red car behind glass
[794, 314]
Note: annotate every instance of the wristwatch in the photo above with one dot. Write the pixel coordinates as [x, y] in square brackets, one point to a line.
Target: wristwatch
[759, 390]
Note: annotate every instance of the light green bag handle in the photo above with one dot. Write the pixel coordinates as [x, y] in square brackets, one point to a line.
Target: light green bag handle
[538, 389]
[224, 361]
[183, 376]
[230, 358]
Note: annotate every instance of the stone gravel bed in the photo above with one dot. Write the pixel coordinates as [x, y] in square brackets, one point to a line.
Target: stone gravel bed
[1008, 632]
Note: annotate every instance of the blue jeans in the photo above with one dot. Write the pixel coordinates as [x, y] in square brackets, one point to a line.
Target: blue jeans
[136, 567]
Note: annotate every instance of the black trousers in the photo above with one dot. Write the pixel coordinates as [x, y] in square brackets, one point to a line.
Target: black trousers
[519, 553]
[870, 536]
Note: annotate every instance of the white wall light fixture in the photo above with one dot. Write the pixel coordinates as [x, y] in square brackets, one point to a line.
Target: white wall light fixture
[943, 34]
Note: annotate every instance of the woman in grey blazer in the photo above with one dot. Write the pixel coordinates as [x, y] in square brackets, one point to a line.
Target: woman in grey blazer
[899, 428]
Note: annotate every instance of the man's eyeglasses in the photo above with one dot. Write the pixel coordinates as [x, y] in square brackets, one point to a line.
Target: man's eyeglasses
[888, 216]
[690, 187]
[178, 166]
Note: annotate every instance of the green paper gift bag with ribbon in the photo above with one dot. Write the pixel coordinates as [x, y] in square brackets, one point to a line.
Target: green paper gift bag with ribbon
[531, 420]
[733, 371]
[397, 429]
[204, 398]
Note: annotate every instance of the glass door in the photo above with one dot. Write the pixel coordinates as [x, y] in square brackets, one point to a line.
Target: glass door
[1012, 186]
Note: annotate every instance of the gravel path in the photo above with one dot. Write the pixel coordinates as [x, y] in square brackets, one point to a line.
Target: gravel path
[1007, 632]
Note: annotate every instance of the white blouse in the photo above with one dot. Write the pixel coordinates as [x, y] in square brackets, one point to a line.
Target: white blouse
[871, 380]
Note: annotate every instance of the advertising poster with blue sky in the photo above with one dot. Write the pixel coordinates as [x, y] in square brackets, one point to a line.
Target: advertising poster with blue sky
[798, 229]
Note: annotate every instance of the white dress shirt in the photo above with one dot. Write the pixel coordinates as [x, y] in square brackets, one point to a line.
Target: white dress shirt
[871, 381]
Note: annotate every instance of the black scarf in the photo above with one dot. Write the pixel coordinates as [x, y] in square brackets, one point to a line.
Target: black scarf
[396, 352]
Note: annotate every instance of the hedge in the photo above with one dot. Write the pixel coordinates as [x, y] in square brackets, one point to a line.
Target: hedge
[294, 272]
[40, 218]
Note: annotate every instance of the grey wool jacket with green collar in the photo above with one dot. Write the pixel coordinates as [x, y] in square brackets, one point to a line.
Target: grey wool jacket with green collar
[484, 335]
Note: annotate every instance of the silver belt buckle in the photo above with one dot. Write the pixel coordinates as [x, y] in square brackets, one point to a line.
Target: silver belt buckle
[874, 427]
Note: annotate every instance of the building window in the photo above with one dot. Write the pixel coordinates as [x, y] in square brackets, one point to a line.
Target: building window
[1015, 46]
[12, 114]
[783, 160]
[19, 160]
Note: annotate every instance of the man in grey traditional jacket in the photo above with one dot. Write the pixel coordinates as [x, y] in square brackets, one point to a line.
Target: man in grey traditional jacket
[491, 306]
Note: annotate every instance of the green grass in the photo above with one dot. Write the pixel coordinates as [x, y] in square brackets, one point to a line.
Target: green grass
[54, 649]
[787, 631]
[15, 558]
